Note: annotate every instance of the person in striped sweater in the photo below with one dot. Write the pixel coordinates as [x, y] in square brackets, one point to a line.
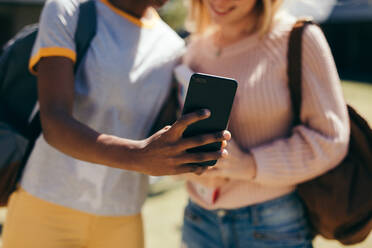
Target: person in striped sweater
[249, 199]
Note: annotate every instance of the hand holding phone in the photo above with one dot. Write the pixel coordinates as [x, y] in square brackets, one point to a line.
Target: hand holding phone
[215, 94]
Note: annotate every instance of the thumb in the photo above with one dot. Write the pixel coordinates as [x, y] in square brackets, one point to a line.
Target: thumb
[161, 131]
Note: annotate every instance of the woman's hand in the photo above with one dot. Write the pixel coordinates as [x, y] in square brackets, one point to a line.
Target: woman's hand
[164, 153]
[239, 165]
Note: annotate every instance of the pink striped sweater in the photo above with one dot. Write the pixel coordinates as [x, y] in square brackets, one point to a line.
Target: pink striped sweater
[261, 117]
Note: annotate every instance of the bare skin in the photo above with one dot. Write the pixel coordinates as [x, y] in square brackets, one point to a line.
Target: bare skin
[235, 19]
[137, 8]
[164, 153]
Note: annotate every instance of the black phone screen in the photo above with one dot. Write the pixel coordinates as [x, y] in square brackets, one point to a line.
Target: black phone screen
[213, 93]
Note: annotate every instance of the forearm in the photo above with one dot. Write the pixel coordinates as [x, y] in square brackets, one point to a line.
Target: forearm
[304, 155]
[77, 140]
[163, 153]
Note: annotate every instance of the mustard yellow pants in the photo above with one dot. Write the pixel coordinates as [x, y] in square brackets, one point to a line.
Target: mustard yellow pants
[34, 223]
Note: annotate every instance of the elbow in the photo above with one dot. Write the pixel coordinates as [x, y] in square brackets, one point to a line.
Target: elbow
[340, 149]
[48, 137]
[48, 133]
[50, 128]
[339, 142]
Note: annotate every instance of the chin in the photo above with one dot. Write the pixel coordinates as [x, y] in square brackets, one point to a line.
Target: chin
[221, 21]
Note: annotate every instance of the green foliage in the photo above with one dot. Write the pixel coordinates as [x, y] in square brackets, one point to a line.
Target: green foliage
[174, 13]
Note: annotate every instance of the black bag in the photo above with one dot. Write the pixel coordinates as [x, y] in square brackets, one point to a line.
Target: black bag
[19, 126]
[339, 203]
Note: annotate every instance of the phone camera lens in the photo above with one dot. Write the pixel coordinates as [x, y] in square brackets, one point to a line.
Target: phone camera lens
[201, 80]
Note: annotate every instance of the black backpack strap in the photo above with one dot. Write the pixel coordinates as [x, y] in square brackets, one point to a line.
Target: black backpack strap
[85, 32]
[86, 29]
[294, 70]
[35, 126]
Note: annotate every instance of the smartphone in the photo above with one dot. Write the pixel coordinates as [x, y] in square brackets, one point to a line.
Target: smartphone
[215, 94]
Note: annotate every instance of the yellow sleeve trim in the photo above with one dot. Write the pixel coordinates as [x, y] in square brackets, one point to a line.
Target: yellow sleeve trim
[48, 52]
[145, 23]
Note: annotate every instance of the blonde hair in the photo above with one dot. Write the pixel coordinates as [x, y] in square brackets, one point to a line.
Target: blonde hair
[198, 20]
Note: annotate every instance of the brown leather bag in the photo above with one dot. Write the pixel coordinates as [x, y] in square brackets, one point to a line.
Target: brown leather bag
[339, 203]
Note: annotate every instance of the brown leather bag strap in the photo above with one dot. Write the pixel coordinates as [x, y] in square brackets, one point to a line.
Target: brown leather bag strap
[294, 70]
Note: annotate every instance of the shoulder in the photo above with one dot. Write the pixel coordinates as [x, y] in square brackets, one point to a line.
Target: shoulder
[59, 16]
[283, 24]
[314, 38]
[170, 35]
[173, 44]
[281, 27]
[61, 7]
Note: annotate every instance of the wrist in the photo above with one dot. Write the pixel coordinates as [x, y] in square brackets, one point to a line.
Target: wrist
[121, 153]
[135, 156]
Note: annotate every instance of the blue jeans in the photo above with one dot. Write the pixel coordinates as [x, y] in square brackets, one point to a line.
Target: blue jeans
[280, 222]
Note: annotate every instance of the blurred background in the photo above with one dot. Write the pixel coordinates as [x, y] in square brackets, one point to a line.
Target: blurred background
[347, 25]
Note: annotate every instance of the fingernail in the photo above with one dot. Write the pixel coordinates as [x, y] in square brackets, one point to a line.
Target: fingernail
[226, 135]
[204, 112]
[225, 153]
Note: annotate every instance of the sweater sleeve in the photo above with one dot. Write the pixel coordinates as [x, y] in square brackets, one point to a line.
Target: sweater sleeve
[321, 141]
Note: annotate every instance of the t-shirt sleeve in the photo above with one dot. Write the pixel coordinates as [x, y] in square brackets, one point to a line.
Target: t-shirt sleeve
[57, 27]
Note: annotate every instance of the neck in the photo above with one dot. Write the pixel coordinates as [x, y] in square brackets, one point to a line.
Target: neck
[136, 8]
[231, 33]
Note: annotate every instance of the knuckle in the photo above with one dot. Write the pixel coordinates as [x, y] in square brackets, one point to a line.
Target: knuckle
[169, 151]
[176, 123]
[192, 168]
[218, 135]
[200, 157]
[172, 162]
[155, 173]
[218, 154]
[190, 118]
[183, 119]
[200, 170]
[200, 140]
[174, 171]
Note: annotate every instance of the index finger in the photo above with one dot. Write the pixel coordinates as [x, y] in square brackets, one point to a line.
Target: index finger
[190, 168]
[186, 120]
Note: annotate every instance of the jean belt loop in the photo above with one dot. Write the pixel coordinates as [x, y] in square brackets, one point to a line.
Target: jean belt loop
[255, 215]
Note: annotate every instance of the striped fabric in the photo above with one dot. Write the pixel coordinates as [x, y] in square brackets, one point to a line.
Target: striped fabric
[261, 117]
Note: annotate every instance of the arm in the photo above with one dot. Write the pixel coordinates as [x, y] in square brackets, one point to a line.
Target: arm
[321, 141]
[53, 56]
[163, 153]
[315, 146]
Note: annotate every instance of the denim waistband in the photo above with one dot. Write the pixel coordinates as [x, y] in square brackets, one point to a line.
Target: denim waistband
[252, 210]
[280, 222]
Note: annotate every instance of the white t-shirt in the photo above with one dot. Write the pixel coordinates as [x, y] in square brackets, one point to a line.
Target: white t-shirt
[119, 89]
